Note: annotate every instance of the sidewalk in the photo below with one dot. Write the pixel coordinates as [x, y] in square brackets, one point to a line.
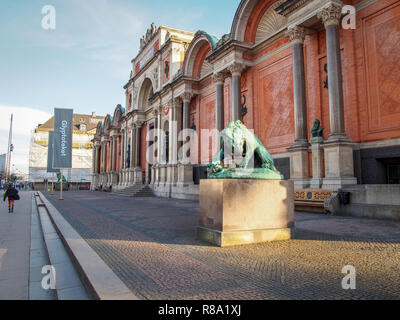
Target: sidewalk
[15, 232]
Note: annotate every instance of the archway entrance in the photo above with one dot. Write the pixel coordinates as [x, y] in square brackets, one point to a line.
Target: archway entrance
[146, 92]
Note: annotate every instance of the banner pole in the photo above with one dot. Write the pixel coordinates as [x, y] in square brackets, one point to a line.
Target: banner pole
[61, 186]
[52, 183]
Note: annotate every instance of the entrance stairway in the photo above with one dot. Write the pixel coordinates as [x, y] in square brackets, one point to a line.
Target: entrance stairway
[136, 191]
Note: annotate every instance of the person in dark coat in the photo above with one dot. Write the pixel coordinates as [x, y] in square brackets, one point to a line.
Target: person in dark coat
[12, 195]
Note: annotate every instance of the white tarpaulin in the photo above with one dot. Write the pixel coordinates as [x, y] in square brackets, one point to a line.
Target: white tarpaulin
[81, 158]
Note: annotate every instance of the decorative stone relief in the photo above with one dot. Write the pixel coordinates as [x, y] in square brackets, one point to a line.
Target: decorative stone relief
[236, 68]
[155, 77]
[296, 34]
[206, 68]
[186, 96]
[331, 15]
[135, 93]
[270, 22]
[218, 77]
[225, 38]
[150, 33]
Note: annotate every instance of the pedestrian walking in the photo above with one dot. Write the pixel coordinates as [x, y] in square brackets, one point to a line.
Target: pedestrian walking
[12, 195]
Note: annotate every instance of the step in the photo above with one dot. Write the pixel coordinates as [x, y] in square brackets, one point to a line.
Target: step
[135, 191]
[101, 283]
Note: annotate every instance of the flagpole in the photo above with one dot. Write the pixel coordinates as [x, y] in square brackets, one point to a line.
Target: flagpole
[8, 162]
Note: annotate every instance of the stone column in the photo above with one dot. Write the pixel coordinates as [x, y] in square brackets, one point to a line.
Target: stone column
[236, 71]
[112, 154]
[132, 156]
[159, 137]
[219, 79]
[137, 165]
[186, 98]
[104, 153]
[138, 137]
[330, 16]
[175, 127]
[94, 164]
[133, 146]
[297, 36]
[338, 149]
[183, 178]
[299, 172]
[98, 151]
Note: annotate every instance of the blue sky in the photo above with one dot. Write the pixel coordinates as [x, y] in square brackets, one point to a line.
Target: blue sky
[84, 63]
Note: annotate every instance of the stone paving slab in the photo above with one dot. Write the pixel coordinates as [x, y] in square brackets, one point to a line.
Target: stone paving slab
[102, 283]
[150, 244]
[14, 248]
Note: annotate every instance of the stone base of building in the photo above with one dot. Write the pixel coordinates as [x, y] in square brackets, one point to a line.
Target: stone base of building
[234, 238]
[241, 211]
[366, 201]
[185, 191]
[338, 183]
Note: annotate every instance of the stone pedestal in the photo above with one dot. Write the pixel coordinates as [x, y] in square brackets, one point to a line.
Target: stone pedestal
[185, 174]
[95, 181]
[172, 173]
[131, 174]
[156, 174]
[113, 178]
[238, 211]
[339, 165]
[138, 176]
[126, 177]
[163, 174]
[299, 172]
[317, 162]
[153, 175]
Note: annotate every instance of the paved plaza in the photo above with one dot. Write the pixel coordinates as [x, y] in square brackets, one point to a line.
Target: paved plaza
[150, 244]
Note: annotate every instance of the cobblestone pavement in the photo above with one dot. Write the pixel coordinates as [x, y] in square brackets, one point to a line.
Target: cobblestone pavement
[150, 244]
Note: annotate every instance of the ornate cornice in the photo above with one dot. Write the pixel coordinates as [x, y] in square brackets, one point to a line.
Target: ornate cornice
[331, 15]
[296, 34]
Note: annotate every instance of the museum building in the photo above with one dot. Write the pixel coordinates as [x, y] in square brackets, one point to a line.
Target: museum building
[322, 98]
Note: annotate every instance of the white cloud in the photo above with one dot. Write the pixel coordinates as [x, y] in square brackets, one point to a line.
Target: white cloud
[24, 121]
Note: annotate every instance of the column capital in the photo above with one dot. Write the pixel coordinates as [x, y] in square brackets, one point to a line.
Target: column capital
[331, 15]
[176, 102]
[154, 112]
[137, 124]
[296, 35]
[236, 68]
[218, 78]
[187, 97]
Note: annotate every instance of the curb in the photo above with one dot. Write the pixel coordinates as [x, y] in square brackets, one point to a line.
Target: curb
[102, 283]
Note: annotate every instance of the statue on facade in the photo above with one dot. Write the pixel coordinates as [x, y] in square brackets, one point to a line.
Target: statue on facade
[153, 29]
[243, 143]
[317, 130]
